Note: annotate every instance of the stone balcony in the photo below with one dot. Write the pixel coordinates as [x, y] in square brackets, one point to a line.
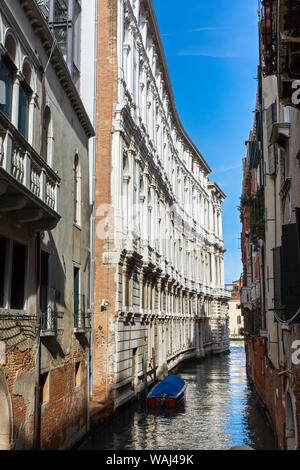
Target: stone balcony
[29, 188]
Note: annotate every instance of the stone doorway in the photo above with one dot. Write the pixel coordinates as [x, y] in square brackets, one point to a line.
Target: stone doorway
[5, 415]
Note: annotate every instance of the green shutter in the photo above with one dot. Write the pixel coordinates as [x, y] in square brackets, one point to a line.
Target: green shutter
[6, 78]
[76, 297]
[23, 111]
[290, 270]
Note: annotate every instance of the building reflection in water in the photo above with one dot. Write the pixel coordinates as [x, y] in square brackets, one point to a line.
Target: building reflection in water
[221, 411]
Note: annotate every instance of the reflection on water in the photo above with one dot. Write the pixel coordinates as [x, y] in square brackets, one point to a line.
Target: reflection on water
[220, 411]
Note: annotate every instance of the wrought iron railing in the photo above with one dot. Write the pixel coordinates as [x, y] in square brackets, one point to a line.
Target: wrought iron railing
[81, 314]
[49, 312]
[48, 321]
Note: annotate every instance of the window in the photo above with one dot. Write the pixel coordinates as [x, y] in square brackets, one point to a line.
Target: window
[44, 288]
[77, 191]
[6, 82]
[128, 291]
[44, 386]
[77, 374]
[46, 144]
[76, 296]
[18, 277]
[24, 100]
[7, 68]
[23, 110]
[239, 320]
[144, 300]
[2, 269]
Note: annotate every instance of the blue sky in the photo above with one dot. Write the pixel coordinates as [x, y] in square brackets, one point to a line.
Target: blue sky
[212, 54]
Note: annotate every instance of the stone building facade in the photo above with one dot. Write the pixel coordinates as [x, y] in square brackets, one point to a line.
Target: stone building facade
[159, 273]
[236, 319]
[44, 238]
[270, 211]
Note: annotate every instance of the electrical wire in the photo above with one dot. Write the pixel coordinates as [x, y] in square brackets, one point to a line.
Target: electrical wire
[287, 322]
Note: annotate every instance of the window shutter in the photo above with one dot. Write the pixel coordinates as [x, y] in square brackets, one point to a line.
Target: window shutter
[6, 78]
[290, 270]
[277, 278]
[23, 111]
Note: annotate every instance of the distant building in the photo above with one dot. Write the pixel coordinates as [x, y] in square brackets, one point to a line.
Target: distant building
[236, 320]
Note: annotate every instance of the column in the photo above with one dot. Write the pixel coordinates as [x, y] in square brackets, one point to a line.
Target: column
[15, 100]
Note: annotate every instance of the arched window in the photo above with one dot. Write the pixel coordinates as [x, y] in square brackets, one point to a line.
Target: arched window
[24, 100]
[7, 68]
[46, 144]
[77, 191]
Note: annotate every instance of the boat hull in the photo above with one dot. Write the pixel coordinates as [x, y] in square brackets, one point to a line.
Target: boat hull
[169, 402]
[169, 393]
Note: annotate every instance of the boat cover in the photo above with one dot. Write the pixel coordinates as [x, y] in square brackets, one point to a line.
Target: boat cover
[171, 385]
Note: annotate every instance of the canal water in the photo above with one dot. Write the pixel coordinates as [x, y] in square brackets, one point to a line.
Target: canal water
[221, 411]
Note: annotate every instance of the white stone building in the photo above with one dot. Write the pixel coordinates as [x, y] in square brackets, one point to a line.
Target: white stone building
[159, 279]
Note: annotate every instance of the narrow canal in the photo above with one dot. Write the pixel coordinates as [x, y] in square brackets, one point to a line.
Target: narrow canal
[221, 411]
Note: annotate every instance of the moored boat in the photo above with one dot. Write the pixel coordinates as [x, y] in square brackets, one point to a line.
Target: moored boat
[169, 393]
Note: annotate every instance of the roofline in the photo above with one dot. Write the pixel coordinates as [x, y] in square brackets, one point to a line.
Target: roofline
[217, 188]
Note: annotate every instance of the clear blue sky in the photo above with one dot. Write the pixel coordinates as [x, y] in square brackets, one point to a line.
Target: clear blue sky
[212, 54]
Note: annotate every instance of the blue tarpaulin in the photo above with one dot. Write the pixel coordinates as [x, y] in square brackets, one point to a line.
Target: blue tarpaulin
[171, 385]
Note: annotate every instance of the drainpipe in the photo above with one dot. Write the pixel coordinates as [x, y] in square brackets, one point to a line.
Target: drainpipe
[37, 408]
[90, 391]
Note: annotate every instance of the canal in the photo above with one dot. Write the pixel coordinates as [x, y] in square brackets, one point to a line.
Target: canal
[221, 411]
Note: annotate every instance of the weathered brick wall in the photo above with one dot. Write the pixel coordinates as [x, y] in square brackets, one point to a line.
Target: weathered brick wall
[64, 417]
[268, 385]
[19, 371]
[104, 280]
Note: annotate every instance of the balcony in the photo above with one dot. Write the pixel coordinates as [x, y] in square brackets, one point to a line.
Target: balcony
[49, 313]
[81, 315]
[223, 293]
[48, 322]
[29, 188]
[288, 49]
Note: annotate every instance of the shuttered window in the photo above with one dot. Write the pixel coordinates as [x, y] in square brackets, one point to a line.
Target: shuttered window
[290, 270]
[271, 118]
[23, 109]
[277, 279]
[6, 86]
